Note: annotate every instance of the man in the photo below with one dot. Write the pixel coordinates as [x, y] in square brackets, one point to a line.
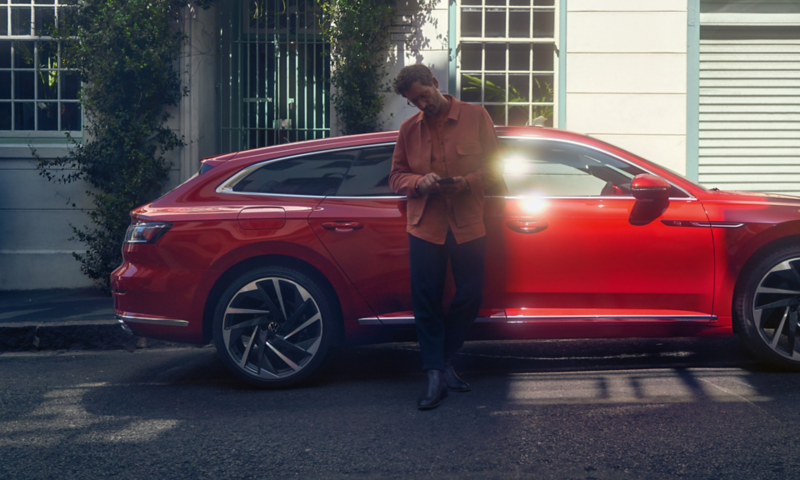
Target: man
[446, 156]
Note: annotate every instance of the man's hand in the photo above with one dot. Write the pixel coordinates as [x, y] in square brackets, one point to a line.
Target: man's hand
[459, 185]
[427, 184]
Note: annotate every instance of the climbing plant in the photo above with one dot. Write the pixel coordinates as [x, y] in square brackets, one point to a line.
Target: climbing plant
[126, 53]
[358, 32]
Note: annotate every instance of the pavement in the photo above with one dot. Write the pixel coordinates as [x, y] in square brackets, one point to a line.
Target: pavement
[61, 319]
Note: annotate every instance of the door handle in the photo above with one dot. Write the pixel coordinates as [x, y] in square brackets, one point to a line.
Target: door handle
[527, 226]
[342, 226]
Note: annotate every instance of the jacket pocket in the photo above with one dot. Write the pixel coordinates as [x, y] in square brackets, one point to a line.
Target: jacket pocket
[469, 149]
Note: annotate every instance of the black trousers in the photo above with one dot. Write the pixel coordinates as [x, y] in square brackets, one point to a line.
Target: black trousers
[439, 335]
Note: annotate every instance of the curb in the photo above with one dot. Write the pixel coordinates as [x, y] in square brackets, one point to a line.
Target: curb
[103, 335]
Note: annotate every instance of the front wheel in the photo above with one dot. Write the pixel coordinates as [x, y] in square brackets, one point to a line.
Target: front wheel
[767, 308]
[273, 327]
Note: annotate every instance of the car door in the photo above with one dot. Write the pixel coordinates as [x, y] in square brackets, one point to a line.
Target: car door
[579, 245]
[363, 227]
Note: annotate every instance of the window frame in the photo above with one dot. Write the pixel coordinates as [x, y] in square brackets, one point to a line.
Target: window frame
[530, 104]
[688, 197]
[40, 137]
[226, 187]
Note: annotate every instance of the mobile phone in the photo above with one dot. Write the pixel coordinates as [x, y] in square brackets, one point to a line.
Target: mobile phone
[446, 181]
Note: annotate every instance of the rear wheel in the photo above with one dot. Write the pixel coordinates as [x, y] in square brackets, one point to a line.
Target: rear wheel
[273, 326]
[768, 308]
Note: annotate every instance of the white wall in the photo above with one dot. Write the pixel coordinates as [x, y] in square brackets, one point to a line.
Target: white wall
[35, 218]
[425, 41]
[626, 75]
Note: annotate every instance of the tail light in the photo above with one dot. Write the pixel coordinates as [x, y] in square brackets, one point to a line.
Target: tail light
[146, 232]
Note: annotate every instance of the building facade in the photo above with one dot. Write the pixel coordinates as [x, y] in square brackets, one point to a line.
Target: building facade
[708, 88]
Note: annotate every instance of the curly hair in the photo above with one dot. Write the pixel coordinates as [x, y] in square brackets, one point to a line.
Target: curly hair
[410, 74]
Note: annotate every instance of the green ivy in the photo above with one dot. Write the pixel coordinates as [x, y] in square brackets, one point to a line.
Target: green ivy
[358, 32]
[126, 53]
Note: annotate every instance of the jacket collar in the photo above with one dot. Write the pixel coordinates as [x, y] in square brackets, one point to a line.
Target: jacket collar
[455, 110]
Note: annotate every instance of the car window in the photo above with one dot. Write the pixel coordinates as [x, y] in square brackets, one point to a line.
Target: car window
[369, 175]
[319, 174]
[559, 169]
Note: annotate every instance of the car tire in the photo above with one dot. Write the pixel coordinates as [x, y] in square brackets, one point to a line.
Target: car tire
[767, 307]
[273, 326]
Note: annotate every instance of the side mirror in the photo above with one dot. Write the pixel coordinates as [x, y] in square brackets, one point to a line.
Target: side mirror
[650, 187]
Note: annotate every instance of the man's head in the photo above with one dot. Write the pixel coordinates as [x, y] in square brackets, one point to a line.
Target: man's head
[418, 85]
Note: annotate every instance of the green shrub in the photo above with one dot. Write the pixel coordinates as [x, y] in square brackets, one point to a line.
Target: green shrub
[358, 32]
[126, 53]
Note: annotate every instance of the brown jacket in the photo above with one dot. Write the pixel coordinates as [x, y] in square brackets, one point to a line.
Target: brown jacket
[470, 148]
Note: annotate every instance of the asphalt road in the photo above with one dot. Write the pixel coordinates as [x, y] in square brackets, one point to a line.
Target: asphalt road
[619, 409]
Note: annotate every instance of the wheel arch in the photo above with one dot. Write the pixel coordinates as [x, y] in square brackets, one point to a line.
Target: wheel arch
[271, 260]
[749, 262]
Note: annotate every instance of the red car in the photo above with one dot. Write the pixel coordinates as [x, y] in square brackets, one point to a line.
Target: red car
[276, 254]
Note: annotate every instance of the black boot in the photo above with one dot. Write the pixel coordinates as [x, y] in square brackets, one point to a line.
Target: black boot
[435, 392]
[453, 381]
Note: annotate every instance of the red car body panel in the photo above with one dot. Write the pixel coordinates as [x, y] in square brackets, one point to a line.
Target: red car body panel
[556, 267]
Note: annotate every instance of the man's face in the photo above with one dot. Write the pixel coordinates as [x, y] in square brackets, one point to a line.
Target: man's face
[426, 97]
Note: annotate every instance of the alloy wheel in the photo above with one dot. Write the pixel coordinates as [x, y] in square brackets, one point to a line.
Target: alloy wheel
[775, 308]
[272, 328]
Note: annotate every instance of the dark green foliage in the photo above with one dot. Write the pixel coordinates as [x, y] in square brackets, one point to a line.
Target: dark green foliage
[358, 31]
[125, 52]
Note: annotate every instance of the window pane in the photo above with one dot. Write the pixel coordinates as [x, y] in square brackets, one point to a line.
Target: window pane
[23, 54]
[71, 117]
[47, 84]
[521, 2]
[495, 22]
[310, 175]
[545, 111]
[369, 174]
[45, 20]
[543, 57]
[495, 2]
[3, 21]
[471, 88]
[519, 56]
[471, 56]
[5, 85]
[48, 115]
[543, 24]
[519, 23]
[5, 116]
[470, 2]
[494, 88]
[498, 114]
[470, 23]
[5, 54]
[543, 88]
[518, 115]
[21, 21]
[70, 84]
[518, 88]
[23, 116]
[544, 3]
[561, 169]
[48, 54]
[495, 56]
[23, 85]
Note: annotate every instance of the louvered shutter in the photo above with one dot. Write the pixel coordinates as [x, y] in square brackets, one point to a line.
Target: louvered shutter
[750, 114]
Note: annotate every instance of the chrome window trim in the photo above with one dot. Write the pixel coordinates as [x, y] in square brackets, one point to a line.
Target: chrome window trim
[369, 197]
[522, 197]
[572, 142]
[151, 320]
[226, 187]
